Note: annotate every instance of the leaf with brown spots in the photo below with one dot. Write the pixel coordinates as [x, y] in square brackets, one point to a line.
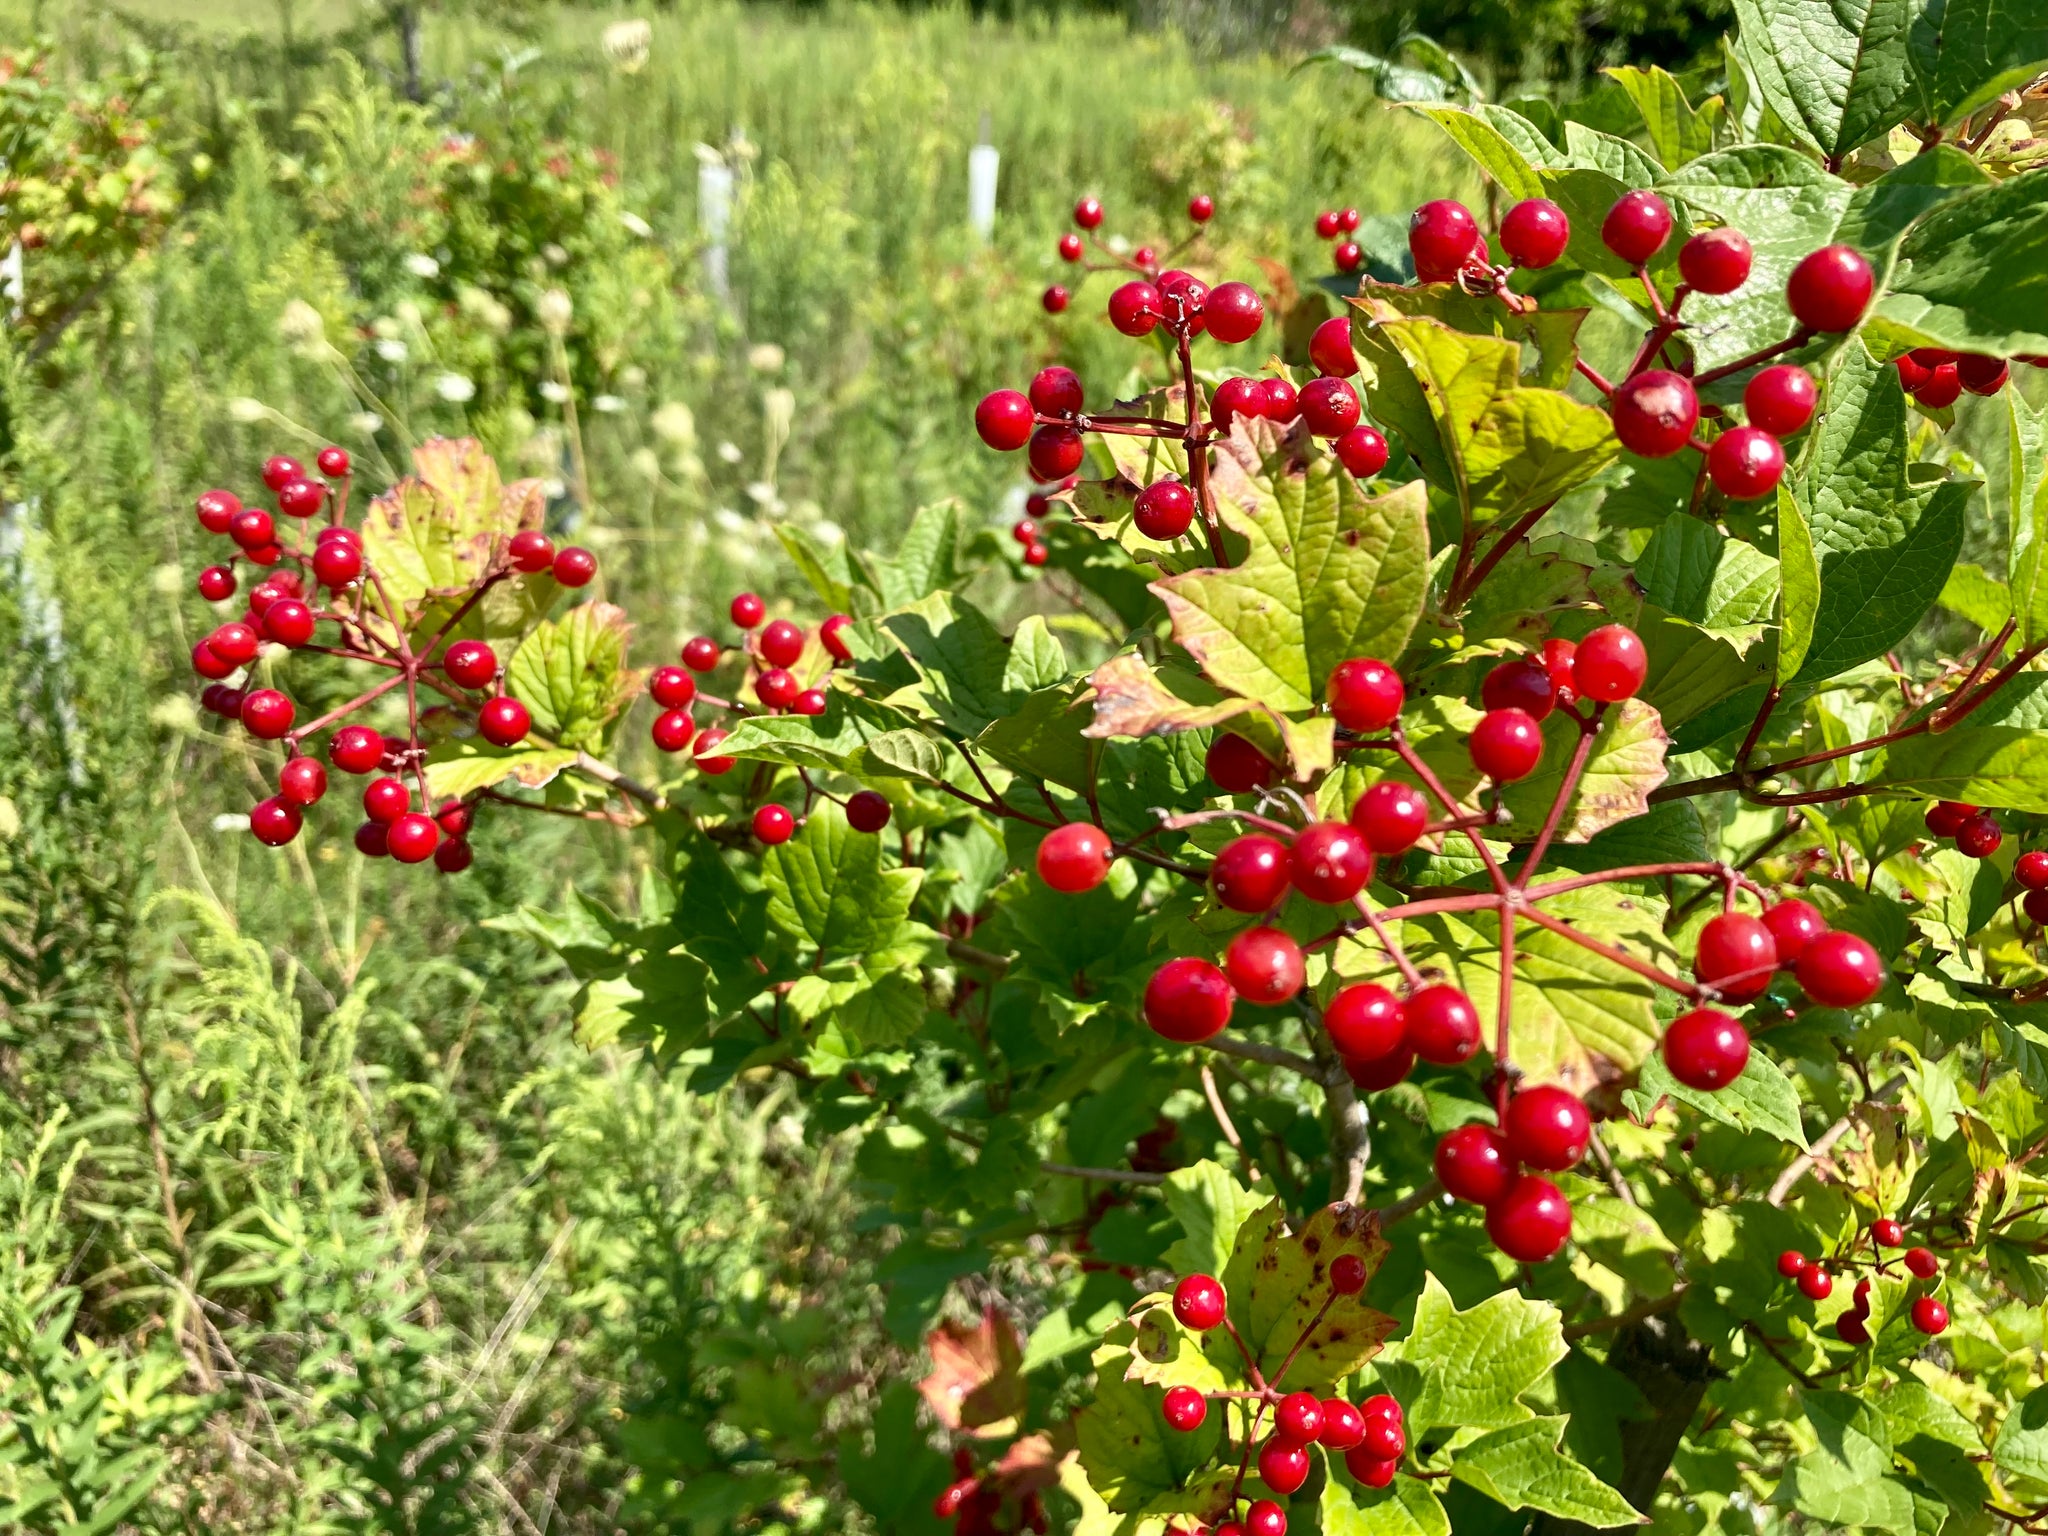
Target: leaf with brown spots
[1278, 1281]
[1133, 698]
[976, 1381]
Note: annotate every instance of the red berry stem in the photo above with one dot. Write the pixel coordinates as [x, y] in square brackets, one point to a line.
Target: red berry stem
[1620, 957]
[1587, 372]
[1589, 730]
[1195, 438]
[1798, 338]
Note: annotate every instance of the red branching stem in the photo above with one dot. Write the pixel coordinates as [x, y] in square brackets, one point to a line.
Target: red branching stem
[341, 711]
[1229, 813]
[1640, 872]
[1505, 1009]
[1251, 1364]
[1607, 951]
[1461, 588]
[1434, 785]
[1196, 440]
[1592, 377]
[1314, 1323]
[1387, 942]
[1798, 338]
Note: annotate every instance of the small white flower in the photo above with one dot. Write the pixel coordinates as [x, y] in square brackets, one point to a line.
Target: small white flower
[409, 314]
[231, 821]
[556, 256]
[633, 376]
[244, 409]
[392, 350]
[611, 405]
[174, 712]
[674, 422]
[167, 579]
[637, 225]
[455, 388]
[730, 520]
[646, 463]
[554, 488]
[626, 44]
[301, 327]
[555, 310]
[420, 264]
[367, 423]
[765, 358]
[553, 392]
[829, 533]
[762, 492]
[730, 452]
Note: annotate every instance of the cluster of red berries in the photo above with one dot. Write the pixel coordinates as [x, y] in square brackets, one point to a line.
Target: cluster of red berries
[1817, 1282]
[973, 1502]
[1936, 378]
[1975, 831]
[1372, 1436]
[1144, 260]
[1339, 225]
[1048, 421]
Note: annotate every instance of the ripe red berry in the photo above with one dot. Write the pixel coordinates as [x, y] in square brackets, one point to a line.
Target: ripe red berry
[453, 856]
[1441, 235]
[773, 825]
[234, 643]
[371, 840]
[355, 749]
[1201, 207]
[275, 821]
[672, 730]
[701, 653]
[1840, 970]
[1736, 956]
[1548, 1128]
[1443, 1026]
[386, 799]
[1136, 307]
[1283, 401]
[503, 722]
[670, 687]
[1610, 664]
[1240, 396]
[1706, 1049]
[1853, 1327]
[1329, 406]
[252, 528]
[1199, 1303]
[776, 688]
[714, 765]
[1922, 1262]
[1283, 1465]
[1366, 1021]
[1745, 463]
[1369, 1470]
[1930, 1316]
[1328, 224]
[1914, 372]
[1184, 1409]
[1004, 420]
[301, 498]
[1473, 1163]
[473, 664]
[333, 462]
[1780, 399]
[412, 838]
[1945, 817]
[1792, 1263]
[832, 635]
[1830, 289]
[575, 566]
[1070, 247]
[1523, 684]
[216, 509]
[216, 583]
[455, 818]
[1347, 1274]
[1055, 299]
[1235, 766]
[1655, 413]
[1391, 815]
[1815, 1283]
[337, 563]
[1347, 256]
[1637, 226]
[1088, 213]
[1299, 1417]
[2031, 869]
[1535, 232]
[1506, 745]
[1055, 391]
[1887, 1233]
[1264, 966]
[1377, 1073]
[1979, 836]
[746, 610]
[267, 714]
[1234, 312]
[1343, 1425]
[289, 622]
[264, 554]
[208, 662]
[1075, 857]
[1385, 1439]
[1365, 694]
[1943, 388]
[1164, 510]
[1329, 348]
[302, 781]
[781, 644]
[867, 811]
[1982, 375]
[1265, 1518]
[1055, 453]
[1716, 260]
[1794, 924]
[1187, 1000]
[279, 470]
[1531, 1221]
[810, 702]
[531, 551]
[1250, 873]
[1329, 862]
[1362, 451]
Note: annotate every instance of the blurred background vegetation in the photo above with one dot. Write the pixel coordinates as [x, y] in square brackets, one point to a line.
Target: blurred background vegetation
[312, 1214]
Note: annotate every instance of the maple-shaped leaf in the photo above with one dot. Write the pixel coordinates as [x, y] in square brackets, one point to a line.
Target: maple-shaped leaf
[976, 1382]
[1134, 698]
[1278, 1282]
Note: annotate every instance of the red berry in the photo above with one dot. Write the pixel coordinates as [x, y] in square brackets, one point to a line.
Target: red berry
[1055, 391]
[1055, 453]
[1441, 235]
[455, 818]
[1531, 1221]
[1930, 1316]
[1329, 348]
[302, 781]
[1443, 1026]
[1384, 1438]
[1655, 413]
[1283, 402]
[1524, 684]
[1088, 213]
[454, 856]
[216, 509]
[1610, 664]
[1328, 226]
[1794, 924]
[670, 687]
[1201, 207]
[1945, 817]
[1369, 1470]
[701, 653]
[1075, 857]
[1250, 873]
[746, 610]
[412, 838]
[1745, 463]
[1299, 1417]
[355, 749]
[1982, 375]
[1887, 1233]
[252, 528]
[776, 688]
[1329, 406]
[1380, 1071]
[1792, 1263]
[1004, 420]
[1780, 399]
[473, 664]
[1736, 956]
[1473, 1163]
[1922, 1262]
[2035, 905]
[1365, 695]
[1706, 1049]
[216, 583]
[1943, 387]
[1913, 372]
[1347, 1274]
[1343, 1425]
[575, 566]
[1136, 308]
[1187, 1000]
[1234, 312]
[301, 498]
[275, 821]
[264, 554]
[832, 635]
[1636, 227]
[1391, 815]
[1164, 510]
[1506, 745]
[1980, 835]
[1815, 1283]
[333, 462]
[1235, 766]
[773, 824]
[1265, 1518]
[289, 622]
[1347, 256]
[2031, 869]
[503, 722]
[1070, 247]
[867, 811]
[1715, 260]
[386, 800]
[279, 470]
[1852, 1327]
[372, 840]
[1184, 1409]
[1329, 862]
[1264, 966]
[1146, 257]
[810, 702]
[267, 714]
[531, 551]
[208, 662]
[1840, 970]
[337, 563]
[1548, 1128]
[1535, 232]
[1348, 220]
[1055, 299]
[1283, 1465]
[1830, 289]
[672, 730]
[1199, 1303]
[234, 642]
[1362, 451]
[1366, 1021]
[713, 765]
[781, 644]
[1235, 397]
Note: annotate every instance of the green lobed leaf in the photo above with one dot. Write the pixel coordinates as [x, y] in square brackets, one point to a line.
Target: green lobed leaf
[1975, 594]
[1726, 587]
[2022, 1445]
[1846, 1479]
[827, 884]
[836, 741]
[825, 566]
[1405, 1507]
[926, 562]
[458, 769]
[1476, 1364]
[2025, 495]
[1761, 1099]
[961, 657]
[1992, 758]
[1838, 75]
[1548, 337]
[1943, 292]
[1130, 1456]
[1677, 130]
[1523, 1466]
[1278, 1281]
[571, 674]
[1211, 1207]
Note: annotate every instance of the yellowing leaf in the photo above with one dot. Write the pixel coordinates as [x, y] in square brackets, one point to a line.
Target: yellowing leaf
[571, 674]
